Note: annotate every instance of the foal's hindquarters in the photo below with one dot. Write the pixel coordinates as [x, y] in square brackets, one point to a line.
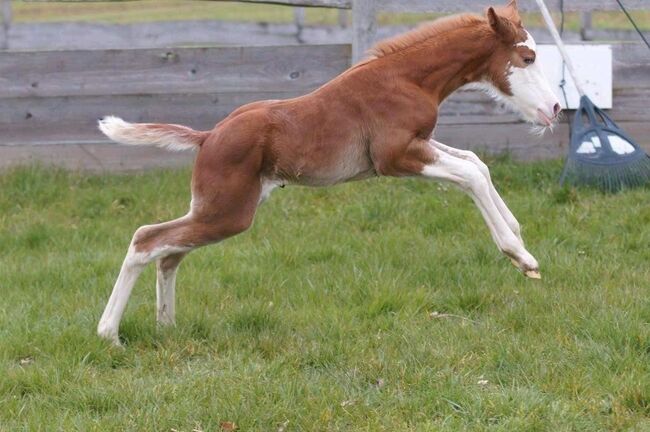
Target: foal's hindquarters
[226, 190]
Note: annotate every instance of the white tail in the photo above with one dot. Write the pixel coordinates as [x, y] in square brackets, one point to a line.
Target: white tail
[170, 136]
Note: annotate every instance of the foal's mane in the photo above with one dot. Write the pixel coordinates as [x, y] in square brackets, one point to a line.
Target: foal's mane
[424, 32]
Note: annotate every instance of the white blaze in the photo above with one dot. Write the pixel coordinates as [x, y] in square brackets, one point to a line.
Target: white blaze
[531, 91]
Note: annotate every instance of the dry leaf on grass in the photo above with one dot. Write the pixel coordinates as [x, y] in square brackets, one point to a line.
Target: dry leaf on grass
[228, 426]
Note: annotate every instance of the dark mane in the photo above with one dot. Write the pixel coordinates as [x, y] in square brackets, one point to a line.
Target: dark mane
[423, 33]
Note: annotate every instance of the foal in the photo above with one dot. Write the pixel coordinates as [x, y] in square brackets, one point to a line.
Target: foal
[376, 119]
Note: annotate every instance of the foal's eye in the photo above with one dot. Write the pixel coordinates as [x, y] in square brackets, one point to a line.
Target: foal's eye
[529, 60]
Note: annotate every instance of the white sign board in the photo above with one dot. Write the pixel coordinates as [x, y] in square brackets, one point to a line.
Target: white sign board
[593, 64]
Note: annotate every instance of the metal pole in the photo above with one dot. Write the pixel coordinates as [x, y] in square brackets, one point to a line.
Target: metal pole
[558, 41]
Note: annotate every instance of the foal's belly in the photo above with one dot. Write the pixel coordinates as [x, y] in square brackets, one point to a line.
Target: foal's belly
[325, 167]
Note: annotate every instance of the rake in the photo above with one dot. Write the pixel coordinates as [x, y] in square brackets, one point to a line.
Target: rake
[601, 154]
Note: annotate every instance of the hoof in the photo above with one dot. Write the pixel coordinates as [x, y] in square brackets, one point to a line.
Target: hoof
[114, 341]
[162, 324]
[110, 336]
[533, 274]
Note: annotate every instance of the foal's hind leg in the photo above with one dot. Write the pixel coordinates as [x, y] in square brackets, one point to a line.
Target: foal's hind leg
[141, 252]
[228, 210]
[165, 288]
[498, 201]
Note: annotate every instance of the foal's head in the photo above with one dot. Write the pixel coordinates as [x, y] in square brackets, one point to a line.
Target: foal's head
[514, 72]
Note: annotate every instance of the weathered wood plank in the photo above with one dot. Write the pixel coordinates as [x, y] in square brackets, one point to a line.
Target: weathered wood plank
[459, 5]
[337, 4]
[70, 118]
[161, 71]
[364, 27]
[94, 157]
[517, 140]
[524, 5]
[491, 139]
[99, 36]
[73, 119]
[89, 35]
[218, 70]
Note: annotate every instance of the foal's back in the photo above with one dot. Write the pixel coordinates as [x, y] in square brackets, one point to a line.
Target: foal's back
[318, 139]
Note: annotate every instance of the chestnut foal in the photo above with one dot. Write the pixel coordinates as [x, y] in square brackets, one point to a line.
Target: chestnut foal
[376, 119]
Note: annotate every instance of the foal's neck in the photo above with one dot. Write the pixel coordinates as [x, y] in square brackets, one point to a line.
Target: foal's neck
[450, 60]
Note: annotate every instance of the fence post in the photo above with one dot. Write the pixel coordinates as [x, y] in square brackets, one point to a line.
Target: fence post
[364, 27]
[585, 25]
[343, 18]
[299, 21]
[6, 23]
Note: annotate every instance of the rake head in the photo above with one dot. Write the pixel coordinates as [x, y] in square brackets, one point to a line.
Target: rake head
[602, 155]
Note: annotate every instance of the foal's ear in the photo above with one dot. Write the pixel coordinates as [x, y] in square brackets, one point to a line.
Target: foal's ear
[502, 26]
[513, 5]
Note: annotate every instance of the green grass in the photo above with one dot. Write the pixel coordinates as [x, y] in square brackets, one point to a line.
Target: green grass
[323, 314]
[163, 10]
[170, 10]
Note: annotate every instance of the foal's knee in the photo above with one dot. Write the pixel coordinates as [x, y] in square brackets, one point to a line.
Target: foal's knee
[472, 157]
[141, 236]
[473, 179]
[143, 248]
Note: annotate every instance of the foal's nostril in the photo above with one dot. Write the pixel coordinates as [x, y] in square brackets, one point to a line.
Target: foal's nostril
[557, 109]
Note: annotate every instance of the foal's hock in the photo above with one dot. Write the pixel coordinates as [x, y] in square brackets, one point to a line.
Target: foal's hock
[375, 119]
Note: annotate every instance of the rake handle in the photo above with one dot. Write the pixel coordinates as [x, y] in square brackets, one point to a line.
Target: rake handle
[558, 41]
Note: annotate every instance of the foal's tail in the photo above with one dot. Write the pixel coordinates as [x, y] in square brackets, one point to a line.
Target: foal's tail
[171, 136]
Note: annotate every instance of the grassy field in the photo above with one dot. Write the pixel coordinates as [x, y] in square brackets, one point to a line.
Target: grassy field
[376, 306]
[166, 10]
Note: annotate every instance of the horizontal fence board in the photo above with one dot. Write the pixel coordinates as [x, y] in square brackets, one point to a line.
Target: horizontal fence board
[293, 69]
[90, 35]
[524, 5]
[461, 5]
[516, 139]
[69, 118]
[94, 157]
[513, 139]
[101, 36]
[338, 4]
[160, 71]
[25, 120]
[473, 108]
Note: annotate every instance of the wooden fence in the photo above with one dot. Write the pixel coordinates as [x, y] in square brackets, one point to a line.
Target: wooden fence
[98, 36]
[54, 97]
[364, 12]
[74, 35]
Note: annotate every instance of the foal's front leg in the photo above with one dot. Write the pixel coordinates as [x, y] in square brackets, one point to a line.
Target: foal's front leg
[498, 201]
[470, 179]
